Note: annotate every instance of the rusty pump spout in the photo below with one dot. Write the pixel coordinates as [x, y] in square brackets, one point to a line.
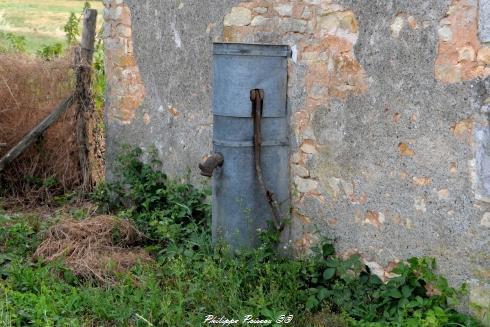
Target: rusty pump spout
[212, 162]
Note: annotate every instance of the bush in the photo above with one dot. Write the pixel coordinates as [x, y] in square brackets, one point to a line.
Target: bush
[166, 211]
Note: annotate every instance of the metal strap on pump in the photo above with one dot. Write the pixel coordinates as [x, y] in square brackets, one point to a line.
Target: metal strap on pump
[257, 98]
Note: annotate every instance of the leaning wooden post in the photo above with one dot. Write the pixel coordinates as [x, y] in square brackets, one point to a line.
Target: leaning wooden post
[35, 133]
[85, 104]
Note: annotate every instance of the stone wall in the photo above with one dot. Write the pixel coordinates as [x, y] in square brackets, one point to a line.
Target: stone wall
[125, 88]
[388, 104]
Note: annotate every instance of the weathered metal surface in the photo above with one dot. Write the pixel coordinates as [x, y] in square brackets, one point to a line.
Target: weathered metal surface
[482, 157]
[235, 74]
[240, 207]
[484, 25]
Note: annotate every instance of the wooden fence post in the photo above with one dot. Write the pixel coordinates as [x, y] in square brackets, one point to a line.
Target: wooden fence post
[83, 93]
[82, 97]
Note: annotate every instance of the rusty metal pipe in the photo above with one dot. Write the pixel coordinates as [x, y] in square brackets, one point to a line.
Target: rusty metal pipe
[212, 162]
[257, 98]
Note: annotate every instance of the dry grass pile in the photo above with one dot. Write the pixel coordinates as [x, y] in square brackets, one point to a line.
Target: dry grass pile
[95, 248]
[30, 88]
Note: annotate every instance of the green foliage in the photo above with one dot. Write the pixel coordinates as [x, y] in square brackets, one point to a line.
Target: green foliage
[192, 279]
[99, 85]
[13, 43]
[181, 289]
[17, 42]
[27, 15]
[72, 29]
[46, 187]
[166, 211]
[197, 279]
[178, 292]
[17, 237]
[51, 51]
[415, 297]
[72, 32]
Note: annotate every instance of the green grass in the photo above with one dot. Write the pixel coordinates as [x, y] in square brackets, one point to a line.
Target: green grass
[191, 279]
[181, 288]
[40, 22]
[178, 290]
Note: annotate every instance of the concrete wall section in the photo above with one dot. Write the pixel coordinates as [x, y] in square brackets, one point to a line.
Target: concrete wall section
[173, 42]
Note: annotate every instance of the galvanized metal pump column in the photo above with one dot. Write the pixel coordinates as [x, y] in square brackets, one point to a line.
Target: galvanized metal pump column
[251, 146]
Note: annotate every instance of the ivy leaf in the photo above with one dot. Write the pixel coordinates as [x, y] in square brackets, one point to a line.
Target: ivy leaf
[322, 293]
[403, 302]
[328, 273]
[328, 249]
[375, 280]
[353, 262]
[394, 293]
[311, 303]
[332, 262]
[406, 291]
[267, 313]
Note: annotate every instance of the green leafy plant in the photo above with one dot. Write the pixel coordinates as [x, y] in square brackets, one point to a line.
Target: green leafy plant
[164, 210]
[72, 26]
[72, 29]
[417, 296]
[13, 42]
[99, 85]
[51, 51]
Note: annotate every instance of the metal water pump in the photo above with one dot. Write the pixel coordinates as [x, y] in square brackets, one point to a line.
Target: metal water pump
[250, 163]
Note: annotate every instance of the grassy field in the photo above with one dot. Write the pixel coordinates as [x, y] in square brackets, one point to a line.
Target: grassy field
[41, 22]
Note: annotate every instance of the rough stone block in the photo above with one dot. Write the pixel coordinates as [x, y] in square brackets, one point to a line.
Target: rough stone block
[445, 33]
[485, 221]
[261, 10]
[300, 171]
[397, 26]
[466, 53]
[305, 185]
[484, 56]
[292, 25]
[123, 30]
[238, 17]
[328, 23]
[284, 9]
[260, 21]
[112, 13]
